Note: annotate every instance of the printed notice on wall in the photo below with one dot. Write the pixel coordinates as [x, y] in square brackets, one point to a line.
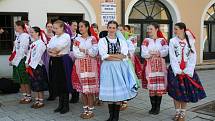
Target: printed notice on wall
[108, 12]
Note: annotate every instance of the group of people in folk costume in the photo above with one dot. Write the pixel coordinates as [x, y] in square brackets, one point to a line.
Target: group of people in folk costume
[104, 68]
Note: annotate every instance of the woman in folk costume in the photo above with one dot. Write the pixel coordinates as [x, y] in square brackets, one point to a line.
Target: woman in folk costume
[131, 50]
[74, 27]
[154, 49]
[36, 68]
[49, 30]
[132, 45]
[46, 57]
[85, 70]
[60, 65]
[117, 81]
[94, 29]
[184, 85]
[17, 59]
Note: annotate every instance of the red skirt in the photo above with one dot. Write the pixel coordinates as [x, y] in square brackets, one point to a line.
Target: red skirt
[155, 76]
[85, 75]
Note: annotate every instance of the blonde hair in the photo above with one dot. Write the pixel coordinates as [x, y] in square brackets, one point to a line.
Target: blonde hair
[60, 23]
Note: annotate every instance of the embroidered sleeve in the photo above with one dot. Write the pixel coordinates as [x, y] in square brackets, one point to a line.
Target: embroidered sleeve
[144, 49]
[164, 50]
[93, 51]
[76, 50]
[76, 43]
[37, 54]
[103, 49]
[173, 59]
[145, 42]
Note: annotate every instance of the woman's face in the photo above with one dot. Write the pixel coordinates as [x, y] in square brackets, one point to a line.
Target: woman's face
[74, 26]
[19, 29]
[126, 29]
[121, 28]
[33, 34]
[49, 27]
[178, 31]
[96, 30]
[151, 30]
[82, 28]
[58, 29]
[112, 29]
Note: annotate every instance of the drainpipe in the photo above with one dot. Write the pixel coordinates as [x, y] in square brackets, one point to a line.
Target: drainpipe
[122, 12]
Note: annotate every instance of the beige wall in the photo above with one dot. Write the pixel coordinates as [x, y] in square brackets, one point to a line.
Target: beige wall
[191, 12]
[192, 17]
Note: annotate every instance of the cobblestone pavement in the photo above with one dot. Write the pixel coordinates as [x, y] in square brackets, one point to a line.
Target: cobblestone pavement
[137, 110]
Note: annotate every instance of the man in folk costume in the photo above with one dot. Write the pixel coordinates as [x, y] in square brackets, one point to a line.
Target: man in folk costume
[17, 60]
[154, 49]
[184, 85]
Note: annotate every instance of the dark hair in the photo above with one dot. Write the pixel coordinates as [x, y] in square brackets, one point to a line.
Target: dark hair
[86, 24]
[127, 26]
[103, 34]
[36, 29]
[49, 22]
[182, 25]
[113, 22]
[20, 23]
[94, 25]
[72, 21]
[156, 25]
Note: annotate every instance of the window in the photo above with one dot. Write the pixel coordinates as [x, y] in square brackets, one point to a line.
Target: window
[145, 12]
[7, 33]
[209, 34]
[66, 17]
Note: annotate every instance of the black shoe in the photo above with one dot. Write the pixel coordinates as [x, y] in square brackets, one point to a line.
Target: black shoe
[75, 97]
[65, 108]
[116, 112]
[111, 111]
[152, 100]
[158, 103]
[60, 104]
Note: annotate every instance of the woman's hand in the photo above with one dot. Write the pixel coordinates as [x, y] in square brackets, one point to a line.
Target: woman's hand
[154, 53]
[82, 50]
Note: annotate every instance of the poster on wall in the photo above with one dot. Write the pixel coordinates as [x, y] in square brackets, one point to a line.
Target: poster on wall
[108, 12]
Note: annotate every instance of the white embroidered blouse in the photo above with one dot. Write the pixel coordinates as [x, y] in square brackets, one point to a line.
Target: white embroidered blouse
[34, 57]
[154, 45]
[176, 47]
[103, 47]
[21, 45]
[62, 42]
[89, 44]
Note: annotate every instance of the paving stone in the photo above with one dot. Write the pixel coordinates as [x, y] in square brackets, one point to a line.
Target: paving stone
[137, 110]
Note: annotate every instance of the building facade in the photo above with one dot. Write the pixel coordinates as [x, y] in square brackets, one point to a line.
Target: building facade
[199, 15]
